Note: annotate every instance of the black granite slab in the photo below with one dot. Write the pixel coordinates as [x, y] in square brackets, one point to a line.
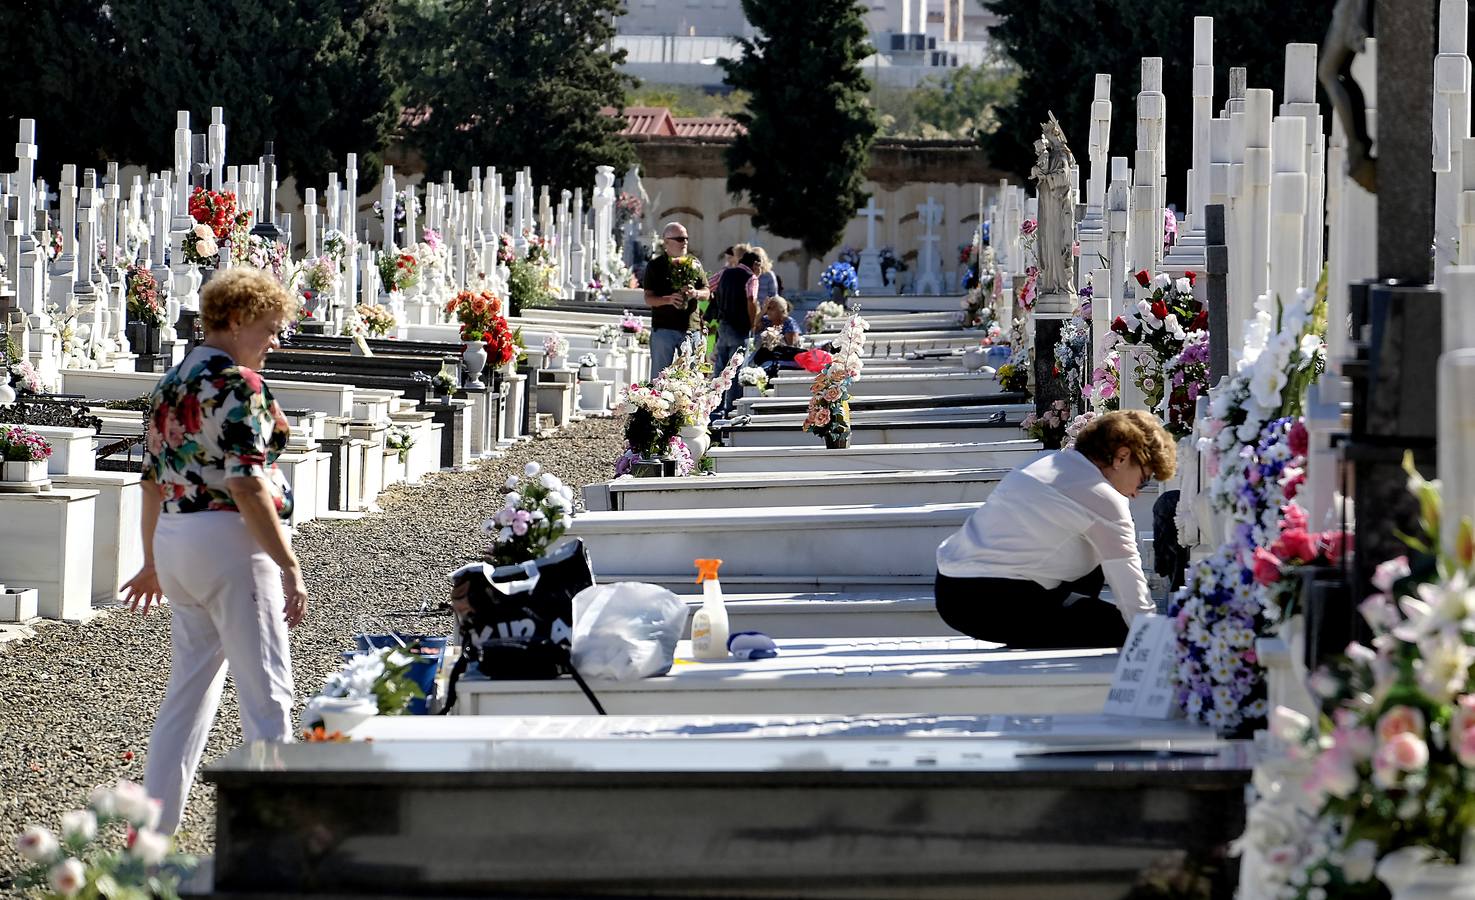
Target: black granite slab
[688, 817]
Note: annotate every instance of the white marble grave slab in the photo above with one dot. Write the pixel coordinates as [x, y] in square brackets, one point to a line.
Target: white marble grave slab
[747, 491]
[834, 676]
[875, 457]
[948, 383]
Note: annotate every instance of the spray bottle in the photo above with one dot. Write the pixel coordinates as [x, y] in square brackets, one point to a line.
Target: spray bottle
[709, 625]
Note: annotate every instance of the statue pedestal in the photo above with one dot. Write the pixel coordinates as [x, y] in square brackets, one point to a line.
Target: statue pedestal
[869, 273]
[1050, 313]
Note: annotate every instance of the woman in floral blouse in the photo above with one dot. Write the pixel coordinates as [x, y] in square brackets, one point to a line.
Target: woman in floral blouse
[213, 534]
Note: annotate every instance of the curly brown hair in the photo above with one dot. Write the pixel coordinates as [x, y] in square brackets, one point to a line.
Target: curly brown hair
[1140, 432]
[246, 294]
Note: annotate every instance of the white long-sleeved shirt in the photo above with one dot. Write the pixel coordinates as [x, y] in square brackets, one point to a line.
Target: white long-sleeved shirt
[1052, 521]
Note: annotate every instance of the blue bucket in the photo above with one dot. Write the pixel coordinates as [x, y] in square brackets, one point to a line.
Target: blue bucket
[422, 671]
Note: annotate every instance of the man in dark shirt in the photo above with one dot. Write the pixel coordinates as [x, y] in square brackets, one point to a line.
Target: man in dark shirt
[674, 312]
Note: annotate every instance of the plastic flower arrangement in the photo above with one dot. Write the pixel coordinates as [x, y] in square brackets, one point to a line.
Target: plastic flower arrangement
[1073, 428]
[21, 444]
[16, 370]
[380, 676]
[629, 324]
[1160, 329]
[398, 271]
[200, 245]
[1073, 349]
[76, 863]
[506, 252]
[1102, 392]
[820, 317]
[478, 312]
[1277, 585]
[555, 345]
[680, 396]
[54, 245]
[1048, 428]
[377, 320]
[527, 285]
[399, 439]
[605, 335]
[1012, 376]
[752, 376]
[400, 206]
[978, 310]
[217, 211]
[536, 511]
[337, 244]
[260, 253]
[891, 265]
[840, 280]
[143, 297]
[1384, 782]
[588, 361]
[829, 394]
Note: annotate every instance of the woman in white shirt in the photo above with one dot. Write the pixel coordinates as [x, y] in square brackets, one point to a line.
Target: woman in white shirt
[1027, 569]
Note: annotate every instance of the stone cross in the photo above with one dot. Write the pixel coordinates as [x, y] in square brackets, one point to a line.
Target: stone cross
[1099, 148]
[1451, 129]
[1203, 113]
[499, 202]
[216, 150]
[84, 275]
[310, 220]
[870, 275]
[578, 252]
[63, 267]
[872, 213]
[412, 233]
[348, 219]
[159, 200]
[1300, 101]
[545, 213]
[112, 196]
[182, 146]
[1118, 219]
[562, 240]
[519, 206]
[1258, 170]
[331, 201]
[387, 196]
[1147, 253]
[1288, 209]
[929, 269]
[267, 225]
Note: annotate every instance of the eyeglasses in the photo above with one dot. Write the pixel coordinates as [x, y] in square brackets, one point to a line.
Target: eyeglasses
[681, 238]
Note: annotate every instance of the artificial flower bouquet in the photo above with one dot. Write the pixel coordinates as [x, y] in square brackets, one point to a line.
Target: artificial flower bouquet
[337, 245]
[555, 345]
[144, 304]
[377, 320]
[819, 318]
[1160, 329]
[1013, 377]
[536, 511]
[1048, 428]
[588, 361]
[752, 376]
[605, 335]
[829, 395]
[687, 274]
[475, 311]
[76, 863]
[1102, 392]
[1383, 784]
[978, 308]
[630, 324]
[317, 276]
[380, 676]
[16, 370]
[399, 439]
[398, 271]
[20, 444]
[1073, 348]
[1276, 568]
[259, 253]
[840, 280]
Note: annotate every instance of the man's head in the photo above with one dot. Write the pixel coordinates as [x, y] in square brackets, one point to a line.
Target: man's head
[674, 239]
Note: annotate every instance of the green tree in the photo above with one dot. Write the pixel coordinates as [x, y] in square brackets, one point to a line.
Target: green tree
[312, 76]
[809, 127]
[1060, 46]
[513, 83]
[964, 102]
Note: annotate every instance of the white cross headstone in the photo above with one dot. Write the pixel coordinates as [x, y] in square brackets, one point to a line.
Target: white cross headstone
[519, 209]
[217, 146]
[387, 196]
[929, 263]
[578, 252]
[310, 220]
[1203, 113]
[870, 276]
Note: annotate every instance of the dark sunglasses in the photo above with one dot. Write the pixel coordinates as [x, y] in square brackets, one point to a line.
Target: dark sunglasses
[683, 239]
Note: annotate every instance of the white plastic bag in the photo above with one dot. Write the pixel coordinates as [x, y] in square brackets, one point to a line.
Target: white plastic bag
[626, 631]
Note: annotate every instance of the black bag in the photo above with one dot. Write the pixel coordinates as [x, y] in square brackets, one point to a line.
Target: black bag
[730, 301]
[521, 621]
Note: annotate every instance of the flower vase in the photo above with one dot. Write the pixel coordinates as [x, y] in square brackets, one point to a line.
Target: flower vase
[646, 467]
[837, 441]
[553, 362]
[475, 359]
[1410, 875]
[23, 471]
[344, 713]
[588, 373]
[837, 294]
[698, 440]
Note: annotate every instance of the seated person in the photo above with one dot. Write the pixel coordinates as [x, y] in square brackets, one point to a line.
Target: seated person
[776, 315]
[1027, 568]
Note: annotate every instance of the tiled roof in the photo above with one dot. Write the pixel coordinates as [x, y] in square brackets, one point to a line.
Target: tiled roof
[657, 121]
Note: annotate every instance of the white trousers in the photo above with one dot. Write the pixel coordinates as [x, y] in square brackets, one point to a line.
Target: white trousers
[228, 610]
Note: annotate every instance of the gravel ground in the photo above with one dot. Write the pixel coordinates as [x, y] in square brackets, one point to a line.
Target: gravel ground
[77, 701]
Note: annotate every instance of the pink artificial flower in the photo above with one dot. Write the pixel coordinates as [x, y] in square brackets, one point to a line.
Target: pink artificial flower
[1266, 567]
[1298, 439]
[1389, 572]
[1293, 516]
[1294, 544]
[1333, 773]
[1406, 752]
[1464, 745]
[1400, 720]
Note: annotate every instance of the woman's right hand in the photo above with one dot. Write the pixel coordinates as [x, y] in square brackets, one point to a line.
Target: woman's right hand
[142, 591]
[294, 590]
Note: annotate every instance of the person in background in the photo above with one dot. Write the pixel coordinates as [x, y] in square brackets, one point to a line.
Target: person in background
[767, 281]
[214, 538]
[1028, 567]
[675, 315]
[776, 315]
[734, 313]
[730, 256]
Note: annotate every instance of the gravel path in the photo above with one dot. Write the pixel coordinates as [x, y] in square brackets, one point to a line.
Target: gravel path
[77, 701]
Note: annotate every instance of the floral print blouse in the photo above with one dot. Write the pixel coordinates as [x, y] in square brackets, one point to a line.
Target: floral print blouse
[210, 420]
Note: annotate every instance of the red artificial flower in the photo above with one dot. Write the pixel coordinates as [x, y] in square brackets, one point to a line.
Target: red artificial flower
[1192, 277]
[1160, 309]
[1266, 567]
[1332, 544]
[1293, 516]
[1292, 486]
[1200, 321]
[1294, 545]
[1298, 438]
[1144, 277]
[1119, 325]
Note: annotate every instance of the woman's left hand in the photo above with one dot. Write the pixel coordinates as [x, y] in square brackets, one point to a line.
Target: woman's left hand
[142, 591]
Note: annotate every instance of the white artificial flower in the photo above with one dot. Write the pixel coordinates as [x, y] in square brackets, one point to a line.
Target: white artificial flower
[1162, 280]
[67, 877]
[512, 499]
[36, 844]
[504, 535]
[550, 481]
[206, 247]
[79, 823]
[1311, 344]
[149, 847]
[1266, 386]
[102, 802]
[1359, 860]
[566, 492]
[203, 231]
[511, 484]
[134, 804]
[531, 470]
[488, 526]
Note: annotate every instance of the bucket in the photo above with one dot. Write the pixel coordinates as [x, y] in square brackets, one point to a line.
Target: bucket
[422, 671]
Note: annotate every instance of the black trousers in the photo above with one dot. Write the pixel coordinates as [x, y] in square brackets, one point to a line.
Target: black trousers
[1023, 614]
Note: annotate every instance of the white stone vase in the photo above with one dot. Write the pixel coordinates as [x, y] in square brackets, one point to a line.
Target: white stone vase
[697, 439]
[588, 373]
[475, 359]
[343, 713]
[1410, 875]
[553, 362]
[23, 472]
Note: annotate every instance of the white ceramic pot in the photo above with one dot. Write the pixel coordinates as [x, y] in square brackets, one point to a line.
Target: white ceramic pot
[588, 373]
[343, 713]
[33, 470]
[475, 358]
[698, 440]
[553, 362]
